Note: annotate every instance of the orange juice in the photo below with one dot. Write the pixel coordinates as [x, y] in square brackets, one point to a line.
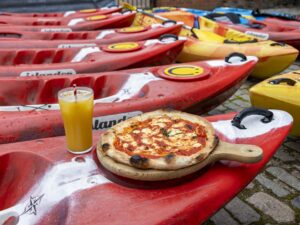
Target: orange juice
[77, 113]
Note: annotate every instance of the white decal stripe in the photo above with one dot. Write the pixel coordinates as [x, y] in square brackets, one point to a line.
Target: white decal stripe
[84, 52]
[68, 13]
[75, 21]
[254, 125]
[104, 33]
[131, 87]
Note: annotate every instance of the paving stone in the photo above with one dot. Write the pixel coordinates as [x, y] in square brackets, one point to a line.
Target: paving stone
[223, 218]
[296, 173]
[284, 176]
[271, 185]
[241, 103]
[284, 156]
[242, 211]
[296, 202]
[245, 97]
[221, 108]
[272, 207]
[232, 106]
[250, 186]
[214, 112]
[293, 145]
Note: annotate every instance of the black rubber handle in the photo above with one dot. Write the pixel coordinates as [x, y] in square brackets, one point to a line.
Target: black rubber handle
[277, 44]
[169, 21]
[236, 121]
[235, 54]
[240, 42]
[164, 36]
[288, 81]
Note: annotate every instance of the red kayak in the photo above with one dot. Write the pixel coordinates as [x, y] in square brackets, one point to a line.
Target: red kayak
[41, 183]
[272, 31]
[56, 21]
[196, 87]
[84, 38]
[262, 29]
[67, 61]
[96, 22]
[283, 22]
[79, 13]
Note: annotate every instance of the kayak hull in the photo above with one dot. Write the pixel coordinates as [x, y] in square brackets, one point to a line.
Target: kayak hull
[55, 61]
[80, 13]
[210, 47]
[281, 96]
[116, 20]
[121, 100]
[85, 39]
[272, 59]
[93, 191]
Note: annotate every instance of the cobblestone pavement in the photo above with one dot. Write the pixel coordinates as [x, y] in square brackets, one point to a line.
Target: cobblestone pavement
[273, 197]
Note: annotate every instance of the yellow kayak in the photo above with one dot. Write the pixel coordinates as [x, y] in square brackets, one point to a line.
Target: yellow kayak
[215, 41]
[280, 92]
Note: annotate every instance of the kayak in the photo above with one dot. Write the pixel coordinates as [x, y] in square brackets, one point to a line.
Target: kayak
[280, 92]
[48, 21]
[79, 13]
[261, 29]
[68, 61]
[282, 19]
[114, 20]
[196, 87]
[84, 38]
[43, 183]
[215, 41]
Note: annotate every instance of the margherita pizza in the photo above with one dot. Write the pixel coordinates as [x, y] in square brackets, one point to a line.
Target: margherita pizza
[160, 140]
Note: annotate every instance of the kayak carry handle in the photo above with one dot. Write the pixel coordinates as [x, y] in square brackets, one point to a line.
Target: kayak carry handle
[242, 57]
[240, 42]
[288, 81]
[236, 121]
[169, 22]
[168, 37]
[277, 44]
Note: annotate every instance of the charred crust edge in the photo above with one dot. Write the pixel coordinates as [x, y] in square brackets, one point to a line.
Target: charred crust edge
[139, 161]
[105, 147]
[170, 157]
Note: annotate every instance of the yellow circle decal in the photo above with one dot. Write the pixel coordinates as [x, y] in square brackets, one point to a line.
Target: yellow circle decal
[88, 10]
[98, 17]
[184, 71]
[123, 46]
[132, 29]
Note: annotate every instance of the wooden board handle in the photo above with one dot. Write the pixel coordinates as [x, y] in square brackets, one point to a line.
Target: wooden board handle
[237, 152]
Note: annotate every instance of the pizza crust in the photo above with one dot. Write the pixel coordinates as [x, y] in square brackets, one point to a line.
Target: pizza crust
[142, 174]
[169, 162]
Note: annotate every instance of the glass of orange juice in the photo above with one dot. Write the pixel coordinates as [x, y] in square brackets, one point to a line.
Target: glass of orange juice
[76, 106]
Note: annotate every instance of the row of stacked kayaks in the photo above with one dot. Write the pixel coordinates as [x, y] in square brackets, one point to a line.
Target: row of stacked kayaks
[282, 91]
[126, 56]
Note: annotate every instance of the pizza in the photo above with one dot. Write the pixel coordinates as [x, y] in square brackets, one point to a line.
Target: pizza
[161, 140]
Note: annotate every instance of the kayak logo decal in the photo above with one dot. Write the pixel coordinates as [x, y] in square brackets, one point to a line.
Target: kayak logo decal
[260, 35]
[184, 71]
[88, 10]
[31, 208]
[76, 45]
[38, 73]
[105, 122]
[122, 47]
[132, 29]
[95, 18]
[56, 30]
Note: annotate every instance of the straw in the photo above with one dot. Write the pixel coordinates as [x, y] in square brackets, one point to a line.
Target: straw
[75, 91]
